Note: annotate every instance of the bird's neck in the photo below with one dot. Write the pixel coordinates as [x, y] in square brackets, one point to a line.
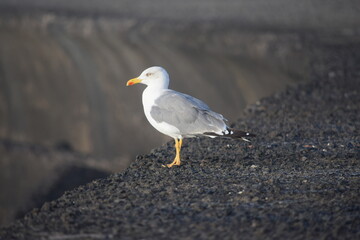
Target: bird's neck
[153, 90]
[158, 85]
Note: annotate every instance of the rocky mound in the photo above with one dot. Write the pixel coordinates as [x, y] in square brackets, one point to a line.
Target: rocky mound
[299, 179]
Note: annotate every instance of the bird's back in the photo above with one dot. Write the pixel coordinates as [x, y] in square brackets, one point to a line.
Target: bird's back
[188, 114]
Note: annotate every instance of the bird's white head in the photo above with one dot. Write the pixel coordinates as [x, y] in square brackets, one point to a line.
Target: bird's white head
[153, 76]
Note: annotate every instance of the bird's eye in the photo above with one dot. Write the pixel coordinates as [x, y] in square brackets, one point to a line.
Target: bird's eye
[148, 74]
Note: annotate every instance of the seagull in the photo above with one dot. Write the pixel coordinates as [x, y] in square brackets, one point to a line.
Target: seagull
[179, 115]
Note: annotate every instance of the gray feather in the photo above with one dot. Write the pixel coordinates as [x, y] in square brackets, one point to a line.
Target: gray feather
[190, 115]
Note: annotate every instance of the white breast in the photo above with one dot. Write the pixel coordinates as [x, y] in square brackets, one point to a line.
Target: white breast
[148, 99]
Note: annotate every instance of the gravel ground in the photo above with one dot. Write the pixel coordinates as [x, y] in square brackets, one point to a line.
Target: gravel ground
[299, 179]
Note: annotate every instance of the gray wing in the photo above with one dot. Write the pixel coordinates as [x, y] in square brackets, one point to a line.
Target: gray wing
[190, 115]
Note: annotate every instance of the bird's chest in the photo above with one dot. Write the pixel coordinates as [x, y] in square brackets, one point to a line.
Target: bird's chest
[148, 100]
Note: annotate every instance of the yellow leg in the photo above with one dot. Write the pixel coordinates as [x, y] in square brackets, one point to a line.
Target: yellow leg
[176, 161]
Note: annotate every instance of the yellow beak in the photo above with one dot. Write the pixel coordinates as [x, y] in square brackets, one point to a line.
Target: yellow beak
[133, 81]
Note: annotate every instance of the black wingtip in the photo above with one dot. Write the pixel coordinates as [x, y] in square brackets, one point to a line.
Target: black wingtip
[235, 133]
[231, 133]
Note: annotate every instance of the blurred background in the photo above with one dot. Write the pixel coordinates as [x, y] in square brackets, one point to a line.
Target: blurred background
[66, 116]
